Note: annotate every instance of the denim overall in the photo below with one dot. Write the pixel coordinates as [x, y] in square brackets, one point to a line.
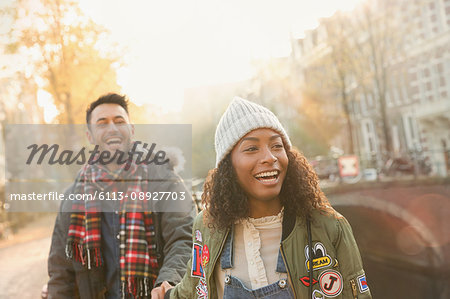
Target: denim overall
[235, 289]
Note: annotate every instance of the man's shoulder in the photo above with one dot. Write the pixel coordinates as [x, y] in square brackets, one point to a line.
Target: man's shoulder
[160, 172]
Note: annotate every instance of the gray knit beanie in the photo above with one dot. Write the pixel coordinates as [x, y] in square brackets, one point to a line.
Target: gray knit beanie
[240, 118]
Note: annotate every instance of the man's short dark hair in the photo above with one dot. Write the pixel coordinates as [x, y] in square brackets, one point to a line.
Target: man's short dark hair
[110, 98]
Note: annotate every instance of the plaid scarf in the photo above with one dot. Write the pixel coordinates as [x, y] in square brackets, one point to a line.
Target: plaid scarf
[138, 262]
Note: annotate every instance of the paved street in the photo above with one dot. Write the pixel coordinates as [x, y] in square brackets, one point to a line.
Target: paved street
[23, 261]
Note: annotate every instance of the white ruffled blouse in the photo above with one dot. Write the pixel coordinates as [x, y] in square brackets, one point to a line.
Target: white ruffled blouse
[256, 247]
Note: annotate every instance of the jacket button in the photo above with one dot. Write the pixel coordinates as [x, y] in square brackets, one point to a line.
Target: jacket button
[227, 279]
[118, 236]
[282, 283]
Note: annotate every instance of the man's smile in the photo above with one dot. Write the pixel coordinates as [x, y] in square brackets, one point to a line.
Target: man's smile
[113, 140]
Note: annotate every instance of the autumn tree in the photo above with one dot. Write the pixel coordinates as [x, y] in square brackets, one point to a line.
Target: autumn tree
[68, 51]
[319, 125]
[341, 66]
[311, 122]
[352, 58]
[377, 41]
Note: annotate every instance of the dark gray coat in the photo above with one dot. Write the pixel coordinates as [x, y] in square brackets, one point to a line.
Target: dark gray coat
[70, 279]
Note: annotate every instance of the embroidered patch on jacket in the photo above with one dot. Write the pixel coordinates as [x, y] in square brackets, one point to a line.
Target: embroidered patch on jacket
[336, 264]
[205, 255]
[362, 283]
[331, 283]
[202, 289]
[317, 295]
[305, 280]
[320, 257]
[198, 236]
[197, 268]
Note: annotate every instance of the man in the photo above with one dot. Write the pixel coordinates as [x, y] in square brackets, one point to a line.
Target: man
[106, 251]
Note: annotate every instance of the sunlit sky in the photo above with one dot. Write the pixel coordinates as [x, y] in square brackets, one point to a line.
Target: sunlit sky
[173, 45]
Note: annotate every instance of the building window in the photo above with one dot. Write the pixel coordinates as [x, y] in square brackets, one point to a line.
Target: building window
[404, 93]
[363, 104]
[410, 130]
[388, 99]
[356, 107]
[371, 145]
[396, 96]
[369, 100]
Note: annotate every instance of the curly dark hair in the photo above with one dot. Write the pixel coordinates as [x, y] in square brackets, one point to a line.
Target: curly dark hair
[225, 201]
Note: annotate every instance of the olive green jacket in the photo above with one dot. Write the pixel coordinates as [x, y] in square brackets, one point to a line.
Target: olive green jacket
[338, 270]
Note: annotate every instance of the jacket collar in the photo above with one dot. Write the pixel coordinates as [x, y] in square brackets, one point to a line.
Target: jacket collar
[289, 220]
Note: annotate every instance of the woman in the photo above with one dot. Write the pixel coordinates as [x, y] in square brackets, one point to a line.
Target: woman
[265, 219]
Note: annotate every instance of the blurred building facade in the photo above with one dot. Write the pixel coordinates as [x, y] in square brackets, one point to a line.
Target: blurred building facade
[416, 89]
